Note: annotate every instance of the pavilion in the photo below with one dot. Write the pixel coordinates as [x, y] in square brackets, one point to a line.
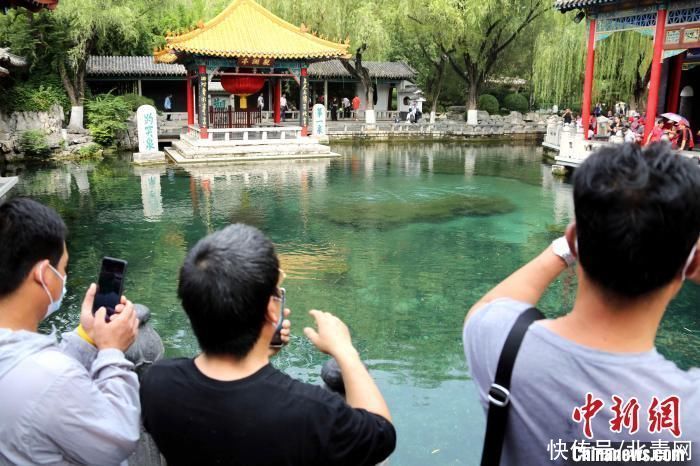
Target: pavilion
[242, 48]
[675, 27]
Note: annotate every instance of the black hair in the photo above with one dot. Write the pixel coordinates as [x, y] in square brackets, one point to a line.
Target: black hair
[29, 233]
[225, 285]
[637, 217]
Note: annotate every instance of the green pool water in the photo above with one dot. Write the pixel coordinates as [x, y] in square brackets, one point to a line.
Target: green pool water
[398, 240]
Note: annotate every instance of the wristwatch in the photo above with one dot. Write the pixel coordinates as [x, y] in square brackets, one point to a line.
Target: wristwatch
[560, 247]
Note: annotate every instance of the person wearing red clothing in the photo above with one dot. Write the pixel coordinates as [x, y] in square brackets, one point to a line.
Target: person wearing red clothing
[656, 132]
[355, 105]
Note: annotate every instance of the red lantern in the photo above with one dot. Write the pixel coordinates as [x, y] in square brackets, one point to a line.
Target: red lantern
[242, 86]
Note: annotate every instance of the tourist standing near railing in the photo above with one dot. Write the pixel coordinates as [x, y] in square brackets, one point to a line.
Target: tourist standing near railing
[346, 107]
[283, 106]
[168, 105]
[229, 405]
[593, 374]
[67, 403]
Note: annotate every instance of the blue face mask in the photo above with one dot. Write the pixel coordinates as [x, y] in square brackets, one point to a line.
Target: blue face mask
[55, 305]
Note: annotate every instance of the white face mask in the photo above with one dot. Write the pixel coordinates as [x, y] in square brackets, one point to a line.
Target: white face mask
[54, 305]
[689, 260]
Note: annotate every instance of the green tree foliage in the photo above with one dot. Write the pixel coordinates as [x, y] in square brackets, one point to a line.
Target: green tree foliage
[489, 103]
[622, 64]
[134, 101]
[485, 30]
[516, 103]
[34, 143]
[107, 115]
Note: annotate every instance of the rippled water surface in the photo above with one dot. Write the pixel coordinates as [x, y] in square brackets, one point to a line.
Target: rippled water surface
[398, 240]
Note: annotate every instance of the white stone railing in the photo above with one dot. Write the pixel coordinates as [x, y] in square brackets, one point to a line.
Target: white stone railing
[552, 137]
[243, 136]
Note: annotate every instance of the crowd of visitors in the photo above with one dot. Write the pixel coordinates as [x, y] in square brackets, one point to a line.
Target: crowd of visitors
[79, 401]
[629, 126]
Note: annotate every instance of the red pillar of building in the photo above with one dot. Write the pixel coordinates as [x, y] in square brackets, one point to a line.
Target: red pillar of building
[674, 90]
[276, 100]
[588, 83]
[655, 81]
[190, 101]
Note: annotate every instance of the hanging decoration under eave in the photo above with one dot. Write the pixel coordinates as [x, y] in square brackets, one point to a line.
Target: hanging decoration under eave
[242, 86]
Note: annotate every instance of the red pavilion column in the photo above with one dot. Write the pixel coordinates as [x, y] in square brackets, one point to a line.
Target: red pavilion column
[655, 81]
[276, 100]
[674, 92]
[190, 101]
[588, 83]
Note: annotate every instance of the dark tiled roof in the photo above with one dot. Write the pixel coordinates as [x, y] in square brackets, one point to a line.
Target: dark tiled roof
[377, 70]
[145, 66]
[131, 66]
[566, 5]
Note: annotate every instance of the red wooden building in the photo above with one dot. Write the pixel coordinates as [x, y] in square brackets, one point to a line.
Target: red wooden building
[675, 26]
[243, 47]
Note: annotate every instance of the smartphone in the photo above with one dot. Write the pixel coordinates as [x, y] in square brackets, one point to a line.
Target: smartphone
[110, 285]
[276, 341]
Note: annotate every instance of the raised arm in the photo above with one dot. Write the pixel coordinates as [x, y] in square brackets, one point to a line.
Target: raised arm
[333, 338]
[529, 283]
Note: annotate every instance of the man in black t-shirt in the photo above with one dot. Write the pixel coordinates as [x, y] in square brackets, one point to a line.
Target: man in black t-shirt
[229, 405]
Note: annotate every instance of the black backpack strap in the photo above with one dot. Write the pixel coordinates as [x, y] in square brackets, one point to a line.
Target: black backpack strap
[499, 392]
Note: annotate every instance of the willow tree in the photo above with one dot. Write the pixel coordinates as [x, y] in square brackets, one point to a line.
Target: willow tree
[428, 34]
[622, 65]
[84, 26]
[485, 29]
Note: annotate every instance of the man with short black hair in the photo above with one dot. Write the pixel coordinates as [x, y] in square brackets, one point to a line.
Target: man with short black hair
[229, 405]
[76, 402]
[594, 373]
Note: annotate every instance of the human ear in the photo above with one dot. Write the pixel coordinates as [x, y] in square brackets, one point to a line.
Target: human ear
[273, 310]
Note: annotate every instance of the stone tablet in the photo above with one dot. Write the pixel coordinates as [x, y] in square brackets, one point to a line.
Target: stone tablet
[147, 122]
[319, 120]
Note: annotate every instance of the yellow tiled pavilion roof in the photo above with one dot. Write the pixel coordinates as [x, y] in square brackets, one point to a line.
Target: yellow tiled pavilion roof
[245, 29]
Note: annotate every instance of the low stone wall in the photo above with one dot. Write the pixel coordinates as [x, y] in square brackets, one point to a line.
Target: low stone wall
[487, 129]
[14, 124]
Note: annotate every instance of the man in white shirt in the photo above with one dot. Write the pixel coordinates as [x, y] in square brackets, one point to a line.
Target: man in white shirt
[283, 106]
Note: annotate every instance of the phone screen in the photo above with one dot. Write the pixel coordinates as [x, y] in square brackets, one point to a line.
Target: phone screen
[277, 337]
[110, 285]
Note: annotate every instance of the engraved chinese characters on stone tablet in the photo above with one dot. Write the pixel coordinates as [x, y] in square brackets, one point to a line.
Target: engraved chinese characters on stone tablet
[319, 120]
[147, 121]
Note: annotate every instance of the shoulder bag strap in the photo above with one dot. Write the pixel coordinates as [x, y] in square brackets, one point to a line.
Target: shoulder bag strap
[499, 393]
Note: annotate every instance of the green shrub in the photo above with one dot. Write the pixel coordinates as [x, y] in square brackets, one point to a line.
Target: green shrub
[90, 150]
[134, 101]
[30, 97]
[488, 103]
[34, 143]
[516, 103]
[106, 117]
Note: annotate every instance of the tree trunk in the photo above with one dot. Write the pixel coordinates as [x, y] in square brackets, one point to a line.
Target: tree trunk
[437, 87]
[472, 97]
[369, 95]
[75, 94]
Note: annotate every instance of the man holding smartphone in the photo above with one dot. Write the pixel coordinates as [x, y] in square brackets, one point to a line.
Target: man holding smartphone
[228, 405]
[73, 402]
